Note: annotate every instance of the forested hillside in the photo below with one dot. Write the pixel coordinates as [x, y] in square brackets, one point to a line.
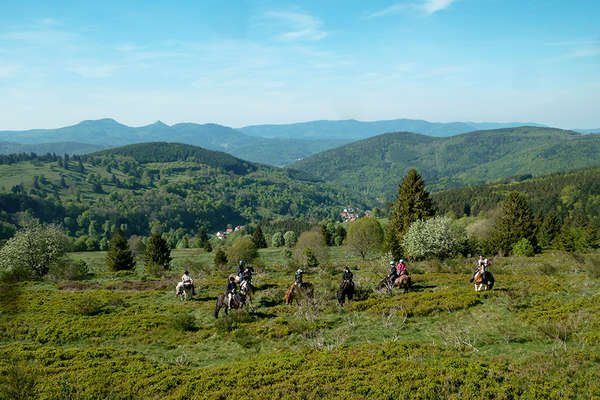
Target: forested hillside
[374, 166]
[574, 195]
[43, 148]
[170, 187]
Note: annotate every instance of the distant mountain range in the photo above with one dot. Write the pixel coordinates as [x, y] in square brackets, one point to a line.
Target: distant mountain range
[277, 145]
[43, 148]
[374, 167]
[354, 130]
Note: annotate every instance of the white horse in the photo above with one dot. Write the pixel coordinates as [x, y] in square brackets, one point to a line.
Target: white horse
[247, 290]
[183, 291]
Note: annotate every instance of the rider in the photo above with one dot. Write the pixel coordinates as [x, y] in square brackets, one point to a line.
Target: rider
[298, 277]
[347, 275]
[230, 292]
[240, 269]
[247, 275]
[393, 271]
[401, 268]
[186, 279]
[482, 262]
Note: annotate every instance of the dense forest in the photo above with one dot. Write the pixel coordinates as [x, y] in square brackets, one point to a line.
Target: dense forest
[573, 195]
[171, 188]
[372, 167]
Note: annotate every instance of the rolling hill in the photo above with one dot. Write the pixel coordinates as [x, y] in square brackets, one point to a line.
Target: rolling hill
[175, 188]
[43, 148]
[375, 166]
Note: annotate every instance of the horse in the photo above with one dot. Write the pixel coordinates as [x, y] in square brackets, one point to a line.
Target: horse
[346, 289]
[403, 281]
[305, 289]
[238, 301]
[247, 290]
[484, 277]
[183, 291]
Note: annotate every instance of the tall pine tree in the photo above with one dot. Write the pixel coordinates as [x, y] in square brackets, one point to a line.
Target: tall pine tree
[515, 223]
[258, 238]
[119, 256]
[413, 203]
[158, 251]
[549, 228]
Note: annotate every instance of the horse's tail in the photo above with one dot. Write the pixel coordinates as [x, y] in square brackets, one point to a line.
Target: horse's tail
[340, 294]
[288, 295]
[218, 306]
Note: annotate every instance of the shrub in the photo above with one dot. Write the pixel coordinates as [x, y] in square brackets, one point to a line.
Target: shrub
[154, 269]
[69, 270]
[19, 383]
[184, 322]
[277, 240]
[220, 258]
[290, 239]
[523, 248]
[435, 237]
[88, 305]
[310, 249]
[242, 249]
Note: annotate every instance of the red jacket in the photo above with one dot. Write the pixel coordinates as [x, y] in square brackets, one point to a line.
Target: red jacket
[401, 267]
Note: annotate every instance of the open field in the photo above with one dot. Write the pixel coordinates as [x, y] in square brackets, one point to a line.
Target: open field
[121, 336]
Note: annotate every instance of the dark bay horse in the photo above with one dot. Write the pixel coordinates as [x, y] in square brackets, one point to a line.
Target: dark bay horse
[346, 290]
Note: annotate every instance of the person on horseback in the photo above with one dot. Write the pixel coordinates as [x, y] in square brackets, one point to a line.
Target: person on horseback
[240, 269]
[401, 268]
[393, 272]
[247, 275]
[347, 276]
[186, 279]
[482, 263]
[230, 292]
[298, 278]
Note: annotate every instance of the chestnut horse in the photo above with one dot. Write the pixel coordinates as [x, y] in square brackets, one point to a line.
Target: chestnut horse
[305, 289]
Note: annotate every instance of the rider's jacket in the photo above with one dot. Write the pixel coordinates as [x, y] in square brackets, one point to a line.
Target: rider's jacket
[401, 267]
[392, 270]
[186, 279]
[347, 276]
[298, 278]
[230, 287]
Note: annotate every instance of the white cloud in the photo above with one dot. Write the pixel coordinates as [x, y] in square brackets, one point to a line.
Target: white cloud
[426, 6]
[303, 26]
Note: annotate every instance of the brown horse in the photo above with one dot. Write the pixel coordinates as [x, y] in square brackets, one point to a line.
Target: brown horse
[483, 277]
[305, 289]
[403, 281]
[346, 290]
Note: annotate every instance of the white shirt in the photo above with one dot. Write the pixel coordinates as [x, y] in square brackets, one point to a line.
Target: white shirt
[186, 278]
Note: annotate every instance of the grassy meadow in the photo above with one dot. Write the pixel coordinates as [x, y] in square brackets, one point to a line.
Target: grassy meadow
[126, 336]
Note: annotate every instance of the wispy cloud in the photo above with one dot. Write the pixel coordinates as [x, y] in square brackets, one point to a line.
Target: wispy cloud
[94, 71]
[303, 26]
[425, 6]
[578, 48]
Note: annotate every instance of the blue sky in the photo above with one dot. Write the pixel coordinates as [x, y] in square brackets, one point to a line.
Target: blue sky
[253, 62]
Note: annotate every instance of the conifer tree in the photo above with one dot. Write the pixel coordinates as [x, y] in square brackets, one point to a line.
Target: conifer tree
[119, 256]
[549, 228]
[202, 237]
[158, 252]
[515, 223]
[258, 238]
[413, 203]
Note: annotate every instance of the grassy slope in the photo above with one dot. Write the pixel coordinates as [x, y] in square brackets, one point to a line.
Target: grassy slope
[525, 339]
[371, 165]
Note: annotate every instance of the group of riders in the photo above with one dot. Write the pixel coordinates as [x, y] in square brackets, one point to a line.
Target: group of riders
[244, 275]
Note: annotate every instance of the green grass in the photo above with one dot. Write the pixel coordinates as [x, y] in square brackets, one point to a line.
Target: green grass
[535, 336]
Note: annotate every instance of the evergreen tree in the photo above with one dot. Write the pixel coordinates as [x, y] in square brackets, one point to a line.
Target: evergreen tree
[80, 167]
[515, 223]
[548, 230]
[413, 203]
[202, 237]
[119, 256]
[565, 240]
[157, 251]
[220, 258]
[258, 238]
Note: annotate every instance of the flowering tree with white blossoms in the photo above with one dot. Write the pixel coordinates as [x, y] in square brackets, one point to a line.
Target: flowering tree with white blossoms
[435, 237]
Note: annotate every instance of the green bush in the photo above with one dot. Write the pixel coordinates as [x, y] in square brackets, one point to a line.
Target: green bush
[184, 322]
[523, 248]
[69, 270]
[88, 305]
